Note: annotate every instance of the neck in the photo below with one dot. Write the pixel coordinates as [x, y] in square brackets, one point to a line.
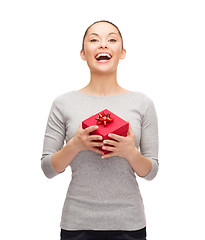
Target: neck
[103, 84]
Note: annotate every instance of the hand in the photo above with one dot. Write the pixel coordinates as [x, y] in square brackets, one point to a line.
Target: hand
[84, 141]
[122, 147]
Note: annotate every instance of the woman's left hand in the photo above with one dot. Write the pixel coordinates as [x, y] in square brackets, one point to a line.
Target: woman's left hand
[123, 146]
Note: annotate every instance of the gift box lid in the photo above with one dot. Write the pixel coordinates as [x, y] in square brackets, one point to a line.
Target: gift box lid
[118, 124]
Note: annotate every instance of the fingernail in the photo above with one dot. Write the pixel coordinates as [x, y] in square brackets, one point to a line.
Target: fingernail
[96, 126]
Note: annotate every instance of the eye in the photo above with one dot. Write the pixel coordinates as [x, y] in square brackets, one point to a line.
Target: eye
[112, 40]
[93, 40]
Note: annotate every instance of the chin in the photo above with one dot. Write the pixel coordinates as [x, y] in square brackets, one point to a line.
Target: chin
[102, 68]
[103, 71]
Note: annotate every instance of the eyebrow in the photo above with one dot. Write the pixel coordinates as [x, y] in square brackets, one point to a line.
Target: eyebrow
[98, 35]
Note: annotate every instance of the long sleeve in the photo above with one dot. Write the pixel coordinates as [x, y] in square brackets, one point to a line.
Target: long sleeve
[98, 187]
[53, 139]
[149, 137]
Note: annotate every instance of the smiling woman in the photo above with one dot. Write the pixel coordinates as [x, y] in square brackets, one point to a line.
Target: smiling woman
[102, 48]
[103, 200]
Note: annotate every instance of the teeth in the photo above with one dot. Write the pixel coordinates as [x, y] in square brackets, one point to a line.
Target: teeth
[103, 54]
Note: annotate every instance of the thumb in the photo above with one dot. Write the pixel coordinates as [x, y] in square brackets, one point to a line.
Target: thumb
[129, 129]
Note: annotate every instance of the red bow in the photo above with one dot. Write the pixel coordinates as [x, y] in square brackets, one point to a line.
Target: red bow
[104, 118]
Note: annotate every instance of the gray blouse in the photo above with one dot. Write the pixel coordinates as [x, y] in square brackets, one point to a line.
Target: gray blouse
[103, 194]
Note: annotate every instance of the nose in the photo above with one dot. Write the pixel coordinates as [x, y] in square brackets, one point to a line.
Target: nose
[103, 44]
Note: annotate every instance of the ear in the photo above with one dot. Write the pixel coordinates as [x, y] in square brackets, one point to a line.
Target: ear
[82, 55]
[123, 54]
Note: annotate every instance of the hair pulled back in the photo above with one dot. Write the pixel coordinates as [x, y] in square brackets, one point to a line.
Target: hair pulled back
[98, 22]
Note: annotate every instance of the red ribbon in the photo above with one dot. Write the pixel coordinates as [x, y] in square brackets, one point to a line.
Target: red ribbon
[104, 118]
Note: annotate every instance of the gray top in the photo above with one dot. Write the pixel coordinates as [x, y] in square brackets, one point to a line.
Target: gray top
[103, 194]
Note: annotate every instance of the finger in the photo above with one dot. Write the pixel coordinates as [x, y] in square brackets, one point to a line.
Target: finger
[97, 150]
[80, 127]
[107, 155]
[99, 144]
[91, 129]
[109, 148]
[129, 129]
[110, 142]
[115, 136]
[95, 137]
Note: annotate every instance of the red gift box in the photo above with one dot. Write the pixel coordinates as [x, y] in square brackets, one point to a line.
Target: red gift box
[107, 123]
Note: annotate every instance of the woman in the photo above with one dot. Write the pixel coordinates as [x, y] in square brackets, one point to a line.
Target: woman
[103, 199]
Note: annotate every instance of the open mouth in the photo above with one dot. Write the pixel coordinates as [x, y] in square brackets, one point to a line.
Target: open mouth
[103, 57]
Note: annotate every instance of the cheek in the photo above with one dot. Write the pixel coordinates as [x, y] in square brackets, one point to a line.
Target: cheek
[90, 55]
[117, 50]
[89, 49]
[89, 52]
[117, 57]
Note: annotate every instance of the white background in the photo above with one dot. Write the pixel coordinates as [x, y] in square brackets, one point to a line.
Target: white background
[40, 47]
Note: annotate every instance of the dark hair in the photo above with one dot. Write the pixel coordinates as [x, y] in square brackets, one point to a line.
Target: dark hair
[98, 22]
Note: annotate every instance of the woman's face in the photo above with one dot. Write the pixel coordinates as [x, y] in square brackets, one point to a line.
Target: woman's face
[104, 38]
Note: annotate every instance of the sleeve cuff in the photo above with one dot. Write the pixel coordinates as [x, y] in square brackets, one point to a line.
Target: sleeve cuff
[154, 169]
[47, 167]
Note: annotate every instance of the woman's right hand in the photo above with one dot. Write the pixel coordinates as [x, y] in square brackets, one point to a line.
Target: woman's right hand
[85, 141]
